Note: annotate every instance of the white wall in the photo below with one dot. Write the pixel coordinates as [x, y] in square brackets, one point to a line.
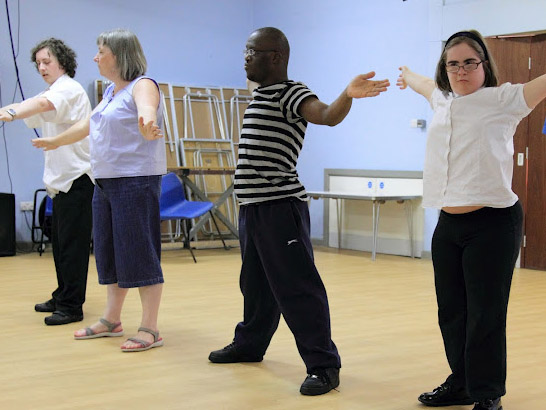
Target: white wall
[493, 17]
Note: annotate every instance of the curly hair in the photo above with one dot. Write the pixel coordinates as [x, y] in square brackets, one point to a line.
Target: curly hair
[64, 54]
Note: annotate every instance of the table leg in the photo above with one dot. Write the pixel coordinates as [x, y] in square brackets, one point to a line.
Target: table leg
[408, 206]
[375, 226]
[339, 221]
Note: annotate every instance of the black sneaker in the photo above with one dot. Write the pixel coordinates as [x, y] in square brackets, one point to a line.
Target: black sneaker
[48, 306]
[229, 354]
[491, 404]
[445, 395]
[62, 318]
[320, 381]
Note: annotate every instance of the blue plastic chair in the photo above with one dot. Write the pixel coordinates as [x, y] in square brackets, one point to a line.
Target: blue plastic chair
[173, 205]
[39, 220]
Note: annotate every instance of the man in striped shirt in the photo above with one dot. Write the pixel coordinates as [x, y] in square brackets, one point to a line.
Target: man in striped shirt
[278, 274]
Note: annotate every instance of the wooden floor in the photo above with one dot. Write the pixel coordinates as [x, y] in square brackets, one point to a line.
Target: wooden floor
[383, 322]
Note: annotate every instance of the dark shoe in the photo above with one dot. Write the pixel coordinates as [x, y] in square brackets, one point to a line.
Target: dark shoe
[48, 306]
[61, 318]
[320, 381]
[491, 404]
[229, 354]
[445, 395]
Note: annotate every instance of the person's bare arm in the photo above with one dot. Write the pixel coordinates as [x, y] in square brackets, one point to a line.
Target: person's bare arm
[317, 112]
[535, 91]
[417, 82]
[26, 108]
[146, 95]
[77, 132]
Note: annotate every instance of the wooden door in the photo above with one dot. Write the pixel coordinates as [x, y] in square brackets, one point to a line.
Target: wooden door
[520, 59]
[535, 228]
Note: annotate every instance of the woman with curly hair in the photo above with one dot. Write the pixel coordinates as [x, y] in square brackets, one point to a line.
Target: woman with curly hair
[67, 175]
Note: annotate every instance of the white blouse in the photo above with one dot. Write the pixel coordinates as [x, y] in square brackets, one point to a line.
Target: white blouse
[470, 148]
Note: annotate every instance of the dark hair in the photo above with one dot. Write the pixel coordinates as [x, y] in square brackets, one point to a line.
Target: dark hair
[64, 54]
[475, 40]
[126, 48]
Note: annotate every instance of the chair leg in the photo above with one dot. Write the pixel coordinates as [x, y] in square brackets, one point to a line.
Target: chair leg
[187, 240]
[41, 245]
[218, 229]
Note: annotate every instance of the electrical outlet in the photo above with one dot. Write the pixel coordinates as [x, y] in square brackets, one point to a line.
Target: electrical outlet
[26, 206]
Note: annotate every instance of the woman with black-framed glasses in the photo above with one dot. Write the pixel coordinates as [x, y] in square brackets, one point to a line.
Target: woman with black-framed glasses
[468, 175]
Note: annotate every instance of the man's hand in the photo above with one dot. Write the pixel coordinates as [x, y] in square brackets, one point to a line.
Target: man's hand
[362, 87]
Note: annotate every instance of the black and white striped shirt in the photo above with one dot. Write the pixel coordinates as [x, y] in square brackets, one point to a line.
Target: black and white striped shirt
[271, 141]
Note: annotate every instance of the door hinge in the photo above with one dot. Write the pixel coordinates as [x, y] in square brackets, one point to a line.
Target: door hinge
[527, 153]
[524, 241]
[529, 63]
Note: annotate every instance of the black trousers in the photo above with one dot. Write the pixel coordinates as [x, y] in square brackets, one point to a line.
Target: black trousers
[474, 255]
[278, 276]
[71, 239]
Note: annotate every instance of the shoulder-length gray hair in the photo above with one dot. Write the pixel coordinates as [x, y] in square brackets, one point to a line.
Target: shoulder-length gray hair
[127, 50]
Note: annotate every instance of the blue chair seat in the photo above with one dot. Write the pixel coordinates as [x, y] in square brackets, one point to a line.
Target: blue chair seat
[173, 205]
[186, 209]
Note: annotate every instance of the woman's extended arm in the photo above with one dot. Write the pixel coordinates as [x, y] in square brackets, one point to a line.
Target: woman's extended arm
[417, 82]
[27, 108]
[77, 132]
[146, 97]
[535, 91]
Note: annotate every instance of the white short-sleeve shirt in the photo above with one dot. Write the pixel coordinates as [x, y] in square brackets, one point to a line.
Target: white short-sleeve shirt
[69, 162]
[469, 153]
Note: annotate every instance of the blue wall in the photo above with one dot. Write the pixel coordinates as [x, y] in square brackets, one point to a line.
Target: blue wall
[186, 41]
[201, 41]
[331, 44]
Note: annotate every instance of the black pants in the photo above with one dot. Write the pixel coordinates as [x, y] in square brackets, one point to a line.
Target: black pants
[474, 255]
[71, 239]
[278, 276]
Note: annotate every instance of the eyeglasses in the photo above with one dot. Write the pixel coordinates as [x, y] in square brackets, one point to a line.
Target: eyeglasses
[454, 68]
[251, 52]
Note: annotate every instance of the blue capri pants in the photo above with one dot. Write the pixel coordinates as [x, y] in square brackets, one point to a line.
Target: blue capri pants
[126, 231]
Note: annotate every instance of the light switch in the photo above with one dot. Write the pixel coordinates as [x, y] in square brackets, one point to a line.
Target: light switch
[520, 159]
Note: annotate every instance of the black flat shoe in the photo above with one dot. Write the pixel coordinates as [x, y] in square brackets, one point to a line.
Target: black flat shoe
[445, 395]
[230, 354]
[491, 404]
[320, 381]
[61, 318]
[48, 306]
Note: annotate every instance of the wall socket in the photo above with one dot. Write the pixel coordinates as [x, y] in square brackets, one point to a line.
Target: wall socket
[26, 206]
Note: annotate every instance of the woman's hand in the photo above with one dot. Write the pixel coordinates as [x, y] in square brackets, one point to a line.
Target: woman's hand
[401, 81]
[46, 143]
[150, 130]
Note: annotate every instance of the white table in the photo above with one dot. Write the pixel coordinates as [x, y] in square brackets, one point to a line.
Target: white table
[376, 200]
